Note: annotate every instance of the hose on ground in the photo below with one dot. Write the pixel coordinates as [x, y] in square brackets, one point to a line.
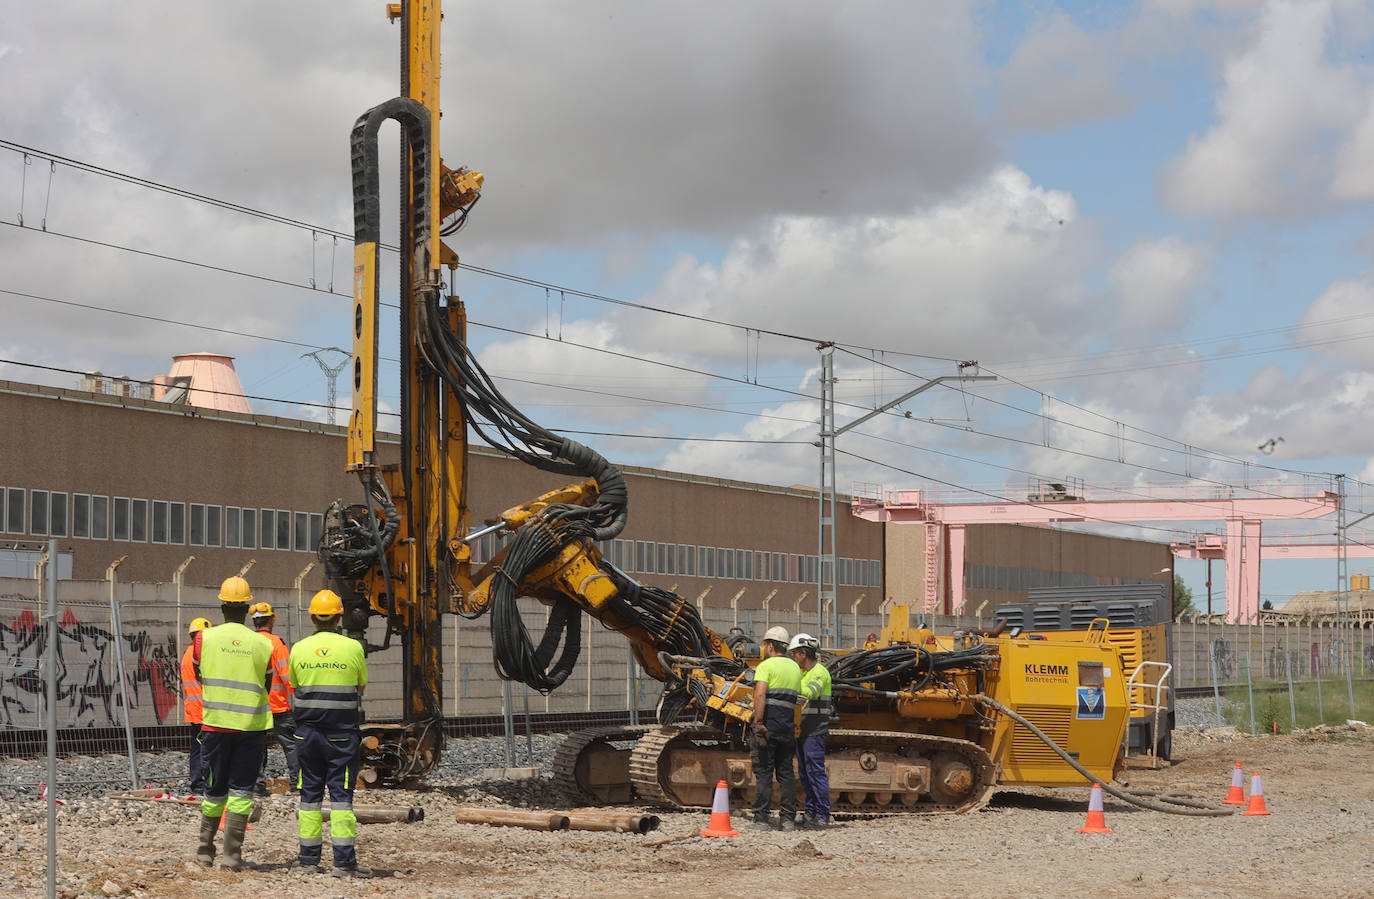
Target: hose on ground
[1170, 804]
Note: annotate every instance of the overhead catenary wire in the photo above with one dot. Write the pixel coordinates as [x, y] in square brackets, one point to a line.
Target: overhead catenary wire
[317, 229]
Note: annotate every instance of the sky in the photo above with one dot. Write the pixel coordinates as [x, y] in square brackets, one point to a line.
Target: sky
[1150, 222]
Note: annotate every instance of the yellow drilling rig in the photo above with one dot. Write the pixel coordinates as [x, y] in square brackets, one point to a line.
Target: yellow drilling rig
[926, 722]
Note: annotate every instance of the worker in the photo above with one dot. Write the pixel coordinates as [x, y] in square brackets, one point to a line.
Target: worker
[191, 703]
[777, 686]
[233, 665]
[278, 697]
[815, 730]
[329, 671]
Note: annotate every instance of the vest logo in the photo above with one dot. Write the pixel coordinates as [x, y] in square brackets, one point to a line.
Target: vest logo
[236, 643]
[322, 652]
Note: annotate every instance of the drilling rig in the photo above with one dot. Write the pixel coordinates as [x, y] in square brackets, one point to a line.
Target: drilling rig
[922, 726]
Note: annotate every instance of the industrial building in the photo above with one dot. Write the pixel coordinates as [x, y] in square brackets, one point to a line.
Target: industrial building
[113, 473]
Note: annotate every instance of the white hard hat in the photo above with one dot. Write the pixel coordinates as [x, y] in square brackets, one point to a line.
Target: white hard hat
[776, 634]
[803, 641]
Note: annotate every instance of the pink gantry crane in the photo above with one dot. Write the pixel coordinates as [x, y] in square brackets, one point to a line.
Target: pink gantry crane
[1241, 548]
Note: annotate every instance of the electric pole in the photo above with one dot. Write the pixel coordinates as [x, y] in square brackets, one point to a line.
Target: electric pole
[331, 375]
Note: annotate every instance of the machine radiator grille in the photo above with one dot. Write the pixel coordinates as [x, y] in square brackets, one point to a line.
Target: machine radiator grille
[1027, 748]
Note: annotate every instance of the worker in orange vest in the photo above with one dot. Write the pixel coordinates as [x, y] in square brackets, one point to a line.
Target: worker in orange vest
[279, 697]
[191, 698]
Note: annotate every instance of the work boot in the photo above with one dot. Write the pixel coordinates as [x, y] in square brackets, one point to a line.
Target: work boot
[760, 823]
[234, 826]
[354, 870]
[787, 823]
[205, 852]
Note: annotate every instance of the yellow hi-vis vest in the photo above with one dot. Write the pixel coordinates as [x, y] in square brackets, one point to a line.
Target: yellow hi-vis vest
[233, 673]
[327, 669]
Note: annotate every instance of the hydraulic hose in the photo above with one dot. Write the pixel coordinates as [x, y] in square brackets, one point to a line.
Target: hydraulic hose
[1179, 805]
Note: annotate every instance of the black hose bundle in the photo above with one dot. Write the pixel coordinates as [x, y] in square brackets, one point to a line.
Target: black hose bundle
[911, 667]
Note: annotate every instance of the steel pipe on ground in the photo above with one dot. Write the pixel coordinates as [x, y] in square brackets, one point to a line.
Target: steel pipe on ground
[619, 823]
[513, 818]
[380, 814]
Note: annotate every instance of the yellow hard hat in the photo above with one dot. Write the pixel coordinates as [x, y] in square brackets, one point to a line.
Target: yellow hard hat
[326, 602]
[235, 589]
[197, 624]
[261, 610]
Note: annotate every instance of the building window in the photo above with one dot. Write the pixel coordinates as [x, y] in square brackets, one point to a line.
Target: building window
[640, 550]
[81, 515]
[283, 529]
[301, 532]
[269, 529]
[176, 531]
[706, 561]
[687, 560]
[138, 520]
[316, 530]
[159, 521]
[38, 512]
[666, 562]
[214, 516]
[810, 570]
[727, 562]
[231, 526]
[57, 514]
[195, 531]
[875, 573]
[121, 518]
[248, 535]
[618, 554]
[14, 513]
[100, 518]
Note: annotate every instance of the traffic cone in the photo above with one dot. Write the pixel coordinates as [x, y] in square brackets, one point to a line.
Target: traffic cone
[1256, 797]
[1236, 796]
[720, 814]
[1096, 823]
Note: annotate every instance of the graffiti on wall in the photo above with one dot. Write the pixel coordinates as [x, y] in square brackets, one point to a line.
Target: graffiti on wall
[87, 673]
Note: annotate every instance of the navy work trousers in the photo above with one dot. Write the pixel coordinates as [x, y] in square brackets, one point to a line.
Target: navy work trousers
[328, 759]
[284, 734]
[195, 763]
[811, 767]
[771, 754]
[232, 758]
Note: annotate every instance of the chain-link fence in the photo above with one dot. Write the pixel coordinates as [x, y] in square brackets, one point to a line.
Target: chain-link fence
[1276, 677]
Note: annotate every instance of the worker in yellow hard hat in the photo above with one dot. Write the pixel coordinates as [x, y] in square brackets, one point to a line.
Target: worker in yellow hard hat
[329, 672]
[278, 697]
[191, 702]
[772, 738]
[232, 664]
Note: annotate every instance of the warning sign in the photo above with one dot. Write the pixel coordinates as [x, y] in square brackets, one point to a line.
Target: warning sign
[1092, 703]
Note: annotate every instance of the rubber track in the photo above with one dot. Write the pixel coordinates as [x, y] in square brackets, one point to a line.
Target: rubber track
[571, 749]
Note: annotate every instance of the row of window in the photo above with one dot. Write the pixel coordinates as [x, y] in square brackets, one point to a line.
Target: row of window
[54, 513]
[651, 557]
[999, 577]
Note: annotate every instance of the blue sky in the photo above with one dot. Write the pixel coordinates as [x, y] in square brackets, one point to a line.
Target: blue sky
[1151, 221]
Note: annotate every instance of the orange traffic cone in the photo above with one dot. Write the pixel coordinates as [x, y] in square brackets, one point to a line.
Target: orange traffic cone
[1256, 797]
[1096, 823]
[720, 814]
[1236, 796]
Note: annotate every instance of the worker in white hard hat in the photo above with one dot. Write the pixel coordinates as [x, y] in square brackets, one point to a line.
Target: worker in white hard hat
[777, 687]
[815, 730]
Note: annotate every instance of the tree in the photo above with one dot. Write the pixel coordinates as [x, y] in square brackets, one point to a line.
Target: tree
[1183, 597]
[1268, 605]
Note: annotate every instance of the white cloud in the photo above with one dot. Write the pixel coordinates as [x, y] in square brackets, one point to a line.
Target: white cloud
[1061, 75]
[1341, 319]
[1153, 281]
[1281, 103]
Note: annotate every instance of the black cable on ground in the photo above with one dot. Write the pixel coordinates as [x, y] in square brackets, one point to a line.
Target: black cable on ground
[1177, 806]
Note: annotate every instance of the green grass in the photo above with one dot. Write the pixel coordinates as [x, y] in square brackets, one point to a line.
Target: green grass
[1272, 705]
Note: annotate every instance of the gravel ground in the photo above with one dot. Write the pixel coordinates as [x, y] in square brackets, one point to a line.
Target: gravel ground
[1319, 841]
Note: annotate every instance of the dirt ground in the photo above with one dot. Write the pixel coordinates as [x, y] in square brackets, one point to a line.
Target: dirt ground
[1318, 842]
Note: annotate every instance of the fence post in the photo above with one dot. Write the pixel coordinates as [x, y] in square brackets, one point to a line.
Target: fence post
[50, 562]
[853, 613]
[177, 577]
[116, 627]
[1288, 667]
[300, 601]
[1216, 690]
[1317, 673]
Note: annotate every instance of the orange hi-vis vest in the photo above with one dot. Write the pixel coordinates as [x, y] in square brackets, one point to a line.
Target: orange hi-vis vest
[279, 697]
[191, 690]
